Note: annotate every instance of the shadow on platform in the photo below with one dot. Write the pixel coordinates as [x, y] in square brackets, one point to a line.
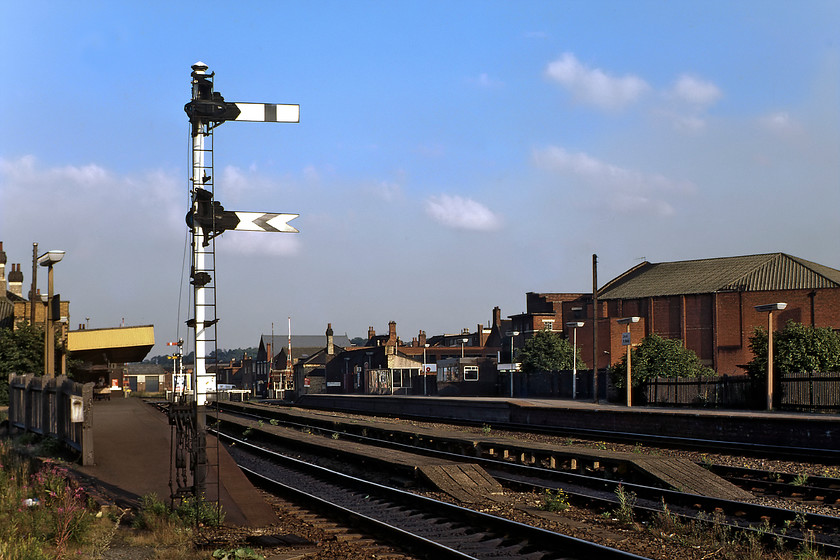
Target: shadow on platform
[131, 443]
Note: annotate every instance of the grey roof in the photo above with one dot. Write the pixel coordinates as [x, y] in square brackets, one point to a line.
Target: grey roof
[772, 271]
[303, 344]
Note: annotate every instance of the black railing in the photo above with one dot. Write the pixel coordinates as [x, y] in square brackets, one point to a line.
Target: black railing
[805, 392]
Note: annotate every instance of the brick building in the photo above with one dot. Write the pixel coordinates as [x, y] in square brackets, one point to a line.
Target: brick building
[707, 303]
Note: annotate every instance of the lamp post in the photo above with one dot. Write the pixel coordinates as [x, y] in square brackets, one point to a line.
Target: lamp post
[463, 341]
[769, 309]
[626, 341]
[511, 334]
[49, 259]
[424, 369]
[574, 325]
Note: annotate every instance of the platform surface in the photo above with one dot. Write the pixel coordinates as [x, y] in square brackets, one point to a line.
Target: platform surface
[131, 442]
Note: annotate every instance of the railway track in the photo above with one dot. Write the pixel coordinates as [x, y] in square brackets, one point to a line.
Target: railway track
[425, 527]
[813, 490]
[777, 524]
[800, 488]
[705, 445]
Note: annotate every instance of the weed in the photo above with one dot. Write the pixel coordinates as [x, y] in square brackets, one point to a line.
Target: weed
[666, 520]
[554, 501]
[274, 422]
[243, 553]
[626, 501]
[486, 429]
[637, 448]
[601, 445]
[801, 479]
[247, 432]
[807, 550]
[335, 435]
[199, 512]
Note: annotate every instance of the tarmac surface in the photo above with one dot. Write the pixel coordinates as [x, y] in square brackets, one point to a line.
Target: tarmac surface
[131, 445]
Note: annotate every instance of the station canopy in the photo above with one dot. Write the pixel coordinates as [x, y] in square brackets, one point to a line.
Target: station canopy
[109, 346]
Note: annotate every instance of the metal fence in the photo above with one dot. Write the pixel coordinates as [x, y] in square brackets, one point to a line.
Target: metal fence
[55, 407]
[811, 392]
[806, 392]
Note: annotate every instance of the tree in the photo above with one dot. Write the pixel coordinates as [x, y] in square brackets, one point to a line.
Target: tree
[658, 357]
[548, 351]
[796, 348]
[22, 352]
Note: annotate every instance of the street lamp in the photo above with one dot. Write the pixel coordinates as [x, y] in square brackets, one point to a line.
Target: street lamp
[769, 308]
[49, 259]
[424, 369]
[463, 341]
[626, 341]
[511, 334]
[574, 325]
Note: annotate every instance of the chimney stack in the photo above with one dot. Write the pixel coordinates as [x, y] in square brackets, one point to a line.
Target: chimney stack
[421, 339]
[2, 271]
[330, 340]
[371, 333]
[16, 280]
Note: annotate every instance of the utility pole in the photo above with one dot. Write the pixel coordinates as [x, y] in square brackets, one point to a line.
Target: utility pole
[595, 325]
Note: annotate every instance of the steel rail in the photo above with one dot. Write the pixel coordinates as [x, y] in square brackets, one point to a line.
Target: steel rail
[531, 542]
[739, 515]
[739, 447]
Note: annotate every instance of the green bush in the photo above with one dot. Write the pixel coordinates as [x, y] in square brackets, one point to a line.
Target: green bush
[658, 357]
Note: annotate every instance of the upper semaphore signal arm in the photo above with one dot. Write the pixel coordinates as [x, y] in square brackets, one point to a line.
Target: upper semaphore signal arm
[268, 112]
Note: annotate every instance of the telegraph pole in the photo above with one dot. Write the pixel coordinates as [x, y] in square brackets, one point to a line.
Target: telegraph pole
[595, 325]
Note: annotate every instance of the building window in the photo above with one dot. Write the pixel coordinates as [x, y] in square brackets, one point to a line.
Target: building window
[470, 373]
[447, 374]
[548, 324]
[402, 377]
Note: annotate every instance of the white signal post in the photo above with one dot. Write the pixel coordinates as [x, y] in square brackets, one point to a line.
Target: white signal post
[206, 111]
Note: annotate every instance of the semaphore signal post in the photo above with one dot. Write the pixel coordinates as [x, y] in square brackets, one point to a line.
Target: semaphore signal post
[207, 219]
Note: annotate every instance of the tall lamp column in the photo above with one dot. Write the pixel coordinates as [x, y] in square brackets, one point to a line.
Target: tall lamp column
[49, 259]
[769, 309]
[574, 325]
[627, 341]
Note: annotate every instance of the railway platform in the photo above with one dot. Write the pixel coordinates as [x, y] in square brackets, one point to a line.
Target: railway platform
[132, 459]
[774, 428]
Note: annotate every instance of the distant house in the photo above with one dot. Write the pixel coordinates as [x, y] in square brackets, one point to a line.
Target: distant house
[146, 378]
[379, 367]
[709, 304]
[273, 357]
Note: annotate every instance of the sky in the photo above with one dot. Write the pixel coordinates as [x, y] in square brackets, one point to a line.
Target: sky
[450, 156]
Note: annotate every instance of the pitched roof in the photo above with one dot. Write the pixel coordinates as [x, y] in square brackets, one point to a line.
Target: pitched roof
[772, 271]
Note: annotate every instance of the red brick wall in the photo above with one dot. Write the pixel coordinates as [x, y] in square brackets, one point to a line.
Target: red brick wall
[715, 326]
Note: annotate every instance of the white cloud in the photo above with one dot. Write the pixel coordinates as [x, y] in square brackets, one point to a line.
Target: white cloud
[461, 213]
[386, 190]
[780, 122]
[628, 190]
[696, 92]
[594, 86]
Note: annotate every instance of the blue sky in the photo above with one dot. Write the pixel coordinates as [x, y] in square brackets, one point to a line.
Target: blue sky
[451, 156]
